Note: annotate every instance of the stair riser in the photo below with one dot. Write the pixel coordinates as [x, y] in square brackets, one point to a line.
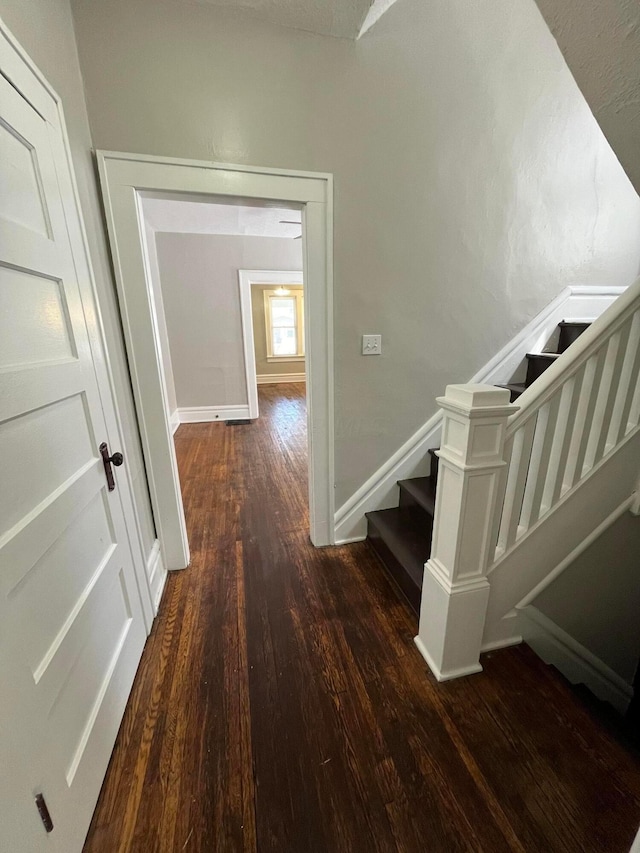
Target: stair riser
[419, 513]
[536, 367]
[410, 591]
[570, 334]
[434, 467]
[418, 516]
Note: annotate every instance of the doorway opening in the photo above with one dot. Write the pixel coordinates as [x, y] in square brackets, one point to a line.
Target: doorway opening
[300, 202]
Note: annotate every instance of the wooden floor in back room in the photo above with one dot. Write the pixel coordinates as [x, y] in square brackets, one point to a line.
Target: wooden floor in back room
[281, 704]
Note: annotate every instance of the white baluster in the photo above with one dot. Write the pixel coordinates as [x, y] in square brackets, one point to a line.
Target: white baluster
[540, 454]
[612, 365]
[561, 442]
[582, 422]
[455, 590]
[516, 483]
[628, 387]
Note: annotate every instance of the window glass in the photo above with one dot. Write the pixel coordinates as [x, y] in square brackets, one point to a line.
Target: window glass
[284, 341]
[284, 324]
[283, 311]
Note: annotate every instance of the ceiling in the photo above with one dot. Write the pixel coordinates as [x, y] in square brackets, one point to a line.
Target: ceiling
[340, 18]
[207, 217]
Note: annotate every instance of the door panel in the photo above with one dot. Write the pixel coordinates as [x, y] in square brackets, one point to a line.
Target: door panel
[28, 298]
[71, 623]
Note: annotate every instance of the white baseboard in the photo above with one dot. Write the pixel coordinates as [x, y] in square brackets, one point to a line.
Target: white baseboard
[380, 490]
[575, 662]
[502, 634]
[174, 420]
[157, 574]
[205, 414]
[444, 675]
[350, 541]
[280, 378]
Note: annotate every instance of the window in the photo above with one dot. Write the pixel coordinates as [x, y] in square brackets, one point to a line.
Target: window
[284, 320]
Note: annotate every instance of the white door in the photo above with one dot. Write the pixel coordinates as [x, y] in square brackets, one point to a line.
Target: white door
[71, 624]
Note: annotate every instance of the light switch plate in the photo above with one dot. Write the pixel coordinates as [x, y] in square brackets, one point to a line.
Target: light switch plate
[371, 344]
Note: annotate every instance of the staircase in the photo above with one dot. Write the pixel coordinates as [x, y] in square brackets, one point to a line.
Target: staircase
[401, 536]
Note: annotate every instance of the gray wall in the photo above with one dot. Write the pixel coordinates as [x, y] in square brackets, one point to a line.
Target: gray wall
[201, 295]
[264, 367]
[597, 599]
[45, 30]
[472, 182]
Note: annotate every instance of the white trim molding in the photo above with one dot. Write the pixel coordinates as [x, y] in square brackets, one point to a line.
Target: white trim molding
[174, 420]
[247, 278]
[574, 661]
[157, 575]
[209, 414]
[124, 178]
[280, 378]
[581, 303]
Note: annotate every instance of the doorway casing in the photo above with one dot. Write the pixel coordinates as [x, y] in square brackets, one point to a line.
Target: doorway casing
[247, 278]
[123, 178]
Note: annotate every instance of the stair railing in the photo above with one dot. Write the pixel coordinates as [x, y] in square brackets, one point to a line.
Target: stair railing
[570, 419]
[503, 469]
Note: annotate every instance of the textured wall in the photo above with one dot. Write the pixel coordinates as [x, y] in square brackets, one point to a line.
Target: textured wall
[472, 182]
[601, 43]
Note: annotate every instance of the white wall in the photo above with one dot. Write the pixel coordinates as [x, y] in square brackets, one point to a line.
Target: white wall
[45, 30]
[601, 43]
[596, 600]
[200, 291]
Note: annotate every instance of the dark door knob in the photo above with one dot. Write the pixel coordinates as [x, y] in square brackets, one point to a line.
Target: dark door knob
[116, 459]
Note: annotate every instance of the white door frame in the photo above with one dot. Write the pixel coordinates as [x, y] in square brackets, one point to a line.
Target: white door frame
[123, 178]
[247, 278]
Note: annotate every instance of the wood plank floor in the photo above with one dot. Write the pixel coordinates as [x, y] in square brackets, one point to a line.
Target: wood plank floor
[281, 705]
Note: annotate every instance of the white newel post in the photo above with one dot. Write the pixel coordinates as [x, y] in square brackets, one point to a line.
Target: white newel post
[455, 589]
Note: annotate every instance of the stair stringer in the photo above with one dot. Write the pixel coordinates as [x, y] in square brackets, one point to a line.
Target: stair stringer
[542, 551]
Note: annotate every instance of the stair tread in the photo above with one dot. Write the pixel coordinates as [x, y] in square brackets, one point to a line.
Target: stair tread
[409, 544]
[549, 355]
[583, 324]
[423, 491]
[514, 386]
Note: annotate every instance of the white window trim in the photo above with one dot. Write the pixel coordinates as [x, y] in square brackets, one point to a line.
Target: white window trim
[298, 295]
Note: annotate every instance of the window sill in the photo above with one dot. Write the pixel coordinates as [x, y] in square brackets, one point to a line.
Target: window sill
[285, 358]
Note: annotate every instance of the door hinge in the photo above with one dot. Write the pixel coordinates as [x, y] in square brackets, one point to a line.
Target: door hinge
[117, 459]
[43, 811]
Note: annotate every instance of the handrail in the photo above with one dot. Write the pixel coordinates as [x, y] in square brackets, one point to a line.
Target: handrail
[536, 395]
[578, 412]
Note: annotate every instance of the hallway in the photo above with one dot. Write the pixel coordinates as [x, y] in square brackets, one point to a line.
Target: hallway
[281, 705]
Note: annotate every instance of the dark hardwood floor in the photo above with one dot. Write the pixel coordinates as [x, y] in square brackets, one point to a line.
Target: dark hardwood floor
[281, 704]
